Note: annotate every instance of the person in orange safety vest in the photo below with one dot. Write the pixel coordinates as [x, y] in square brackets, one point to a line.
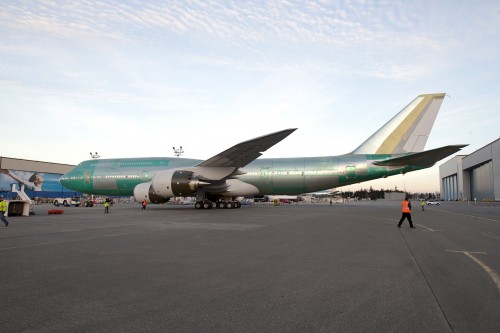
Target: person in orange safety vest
[406, 210]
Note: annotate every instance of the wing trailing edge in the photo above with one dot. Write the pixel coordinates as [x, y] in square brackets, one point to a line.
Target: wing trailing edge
[245, 152]
[423, 159]
[227, 163]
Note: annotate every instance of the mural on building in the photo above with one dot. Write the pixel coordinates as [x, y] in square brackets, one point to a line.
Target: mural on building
[36, 184]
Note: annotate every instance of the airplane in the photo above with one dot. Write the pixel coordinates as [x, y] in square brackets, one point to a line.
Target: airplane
[396, 148]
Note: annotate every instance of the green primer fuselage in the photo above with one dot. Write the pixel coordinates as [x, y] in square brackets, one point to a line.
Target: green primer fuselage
[297, 175]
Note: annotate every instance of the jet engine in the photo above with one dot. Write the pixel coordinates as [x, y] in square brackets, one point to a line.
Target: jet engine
[145, 191]
[175, 183]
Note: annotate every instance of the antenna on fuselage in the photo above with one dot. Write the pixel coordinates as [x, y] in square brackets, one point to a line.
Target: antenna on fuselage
[178, 151]
[94, 155]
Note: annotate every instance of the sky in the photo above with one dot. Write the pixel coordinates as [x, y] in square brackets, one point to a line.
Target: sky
[136, 78]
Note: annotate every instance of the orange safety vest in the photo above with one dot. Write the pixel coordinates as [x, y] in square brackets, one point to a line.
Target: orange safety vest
[405, 207]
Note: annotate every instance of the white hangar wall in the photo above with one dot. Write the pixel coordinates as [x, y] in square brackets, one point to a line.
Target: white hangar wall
[475, 176]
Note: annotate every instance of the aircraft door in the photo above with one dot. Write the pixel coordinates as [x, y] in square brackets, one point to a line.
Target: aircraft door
[265, 180]
[350, 172]
[264, 174]
[145, 176]
[87, 177]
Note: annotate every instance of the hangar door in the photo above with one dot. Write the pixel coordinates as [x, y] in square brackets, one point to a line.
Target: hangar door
[481, 182]
[450, 188]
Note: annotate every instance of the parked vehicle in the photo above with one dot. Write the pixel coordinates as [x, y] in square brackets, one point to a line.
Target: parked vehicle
[72, 201]
[247, 202]
[432, 202]
[88, 203]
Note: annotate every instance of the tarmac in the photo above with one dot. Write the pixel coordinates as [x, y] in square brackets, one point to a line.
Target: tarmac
[292, 268]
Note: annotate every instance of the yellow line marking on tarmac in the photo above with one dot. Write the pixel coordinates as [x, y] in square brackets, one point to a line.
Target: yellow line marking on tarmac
[494, 276]
[477, 217]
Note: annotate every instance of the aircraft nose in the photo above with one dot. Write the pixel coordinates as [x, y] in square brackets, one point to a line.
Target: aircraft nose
[64, 180]
[70, 180]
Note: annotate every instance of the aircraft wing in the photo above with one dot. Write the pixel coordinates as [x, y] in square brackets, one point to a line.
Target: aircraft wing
[245, 152]
[424, 159]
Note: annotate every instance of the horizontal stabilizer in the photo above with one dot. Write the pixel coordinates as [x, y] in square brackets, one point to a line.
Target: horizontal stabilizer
[424, 159]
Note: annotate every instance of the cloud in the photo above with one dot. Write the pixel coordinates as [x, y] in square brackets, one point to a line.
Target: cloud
[340, 22]
[130, 78]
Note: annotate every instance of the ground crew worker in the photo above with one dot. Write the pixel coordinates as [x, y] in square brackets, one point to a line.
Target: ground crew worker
[406, 210]
[106, 206]
[422, 204]
[3, 209]
[144, 204]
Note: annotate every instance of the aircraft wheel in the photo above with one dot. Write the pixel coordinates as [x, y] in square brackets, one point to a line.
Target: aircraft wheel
[198, 205]
[223, 205]
[230, 205]
[207, 205]
[237, 204]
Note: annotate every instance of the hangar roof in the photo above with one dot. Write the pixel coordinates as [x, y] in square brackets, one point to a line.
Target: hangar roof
[30, 165]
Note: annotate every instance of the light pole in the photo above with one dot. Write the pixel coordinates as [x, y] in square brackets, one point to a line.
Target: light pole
[178, 151]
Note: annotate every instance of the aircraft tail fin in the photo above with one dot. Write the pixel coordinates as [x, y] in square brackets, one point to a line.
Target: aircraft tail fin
[407, 131]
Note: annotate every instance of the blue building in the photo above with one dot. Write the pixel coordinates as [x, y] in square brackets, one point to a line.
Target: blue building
[40, 179]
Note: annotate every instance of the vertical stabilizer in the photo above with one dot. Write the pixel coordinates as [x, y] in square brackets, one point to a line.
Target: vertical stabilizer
[407, 131]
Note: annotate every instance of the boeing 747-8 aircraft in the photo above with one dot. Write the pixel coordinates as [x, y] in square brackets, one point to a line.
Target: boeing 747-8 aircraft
[395, 148]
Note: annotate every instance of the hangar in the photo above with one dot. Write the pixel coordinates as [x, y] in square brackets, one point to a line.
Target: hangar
[40, 179]
[474, 176]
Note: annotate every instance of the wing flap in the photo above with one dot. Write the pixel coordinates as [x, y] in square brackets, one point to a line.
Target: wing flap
[211, 173]
[423, 159]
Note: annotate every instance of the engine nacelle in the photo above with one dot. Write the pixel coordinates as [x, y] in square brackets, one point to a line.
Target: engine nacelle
[174, 183]
[145, 191]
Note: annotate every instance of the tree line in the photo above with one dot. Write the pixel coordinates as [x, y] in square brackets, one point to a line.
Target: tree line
[373, 194]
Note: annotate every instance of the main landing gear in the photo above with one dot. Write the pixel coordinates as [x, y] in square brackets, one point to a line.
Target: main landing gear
[203, 205]
[219, 204]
